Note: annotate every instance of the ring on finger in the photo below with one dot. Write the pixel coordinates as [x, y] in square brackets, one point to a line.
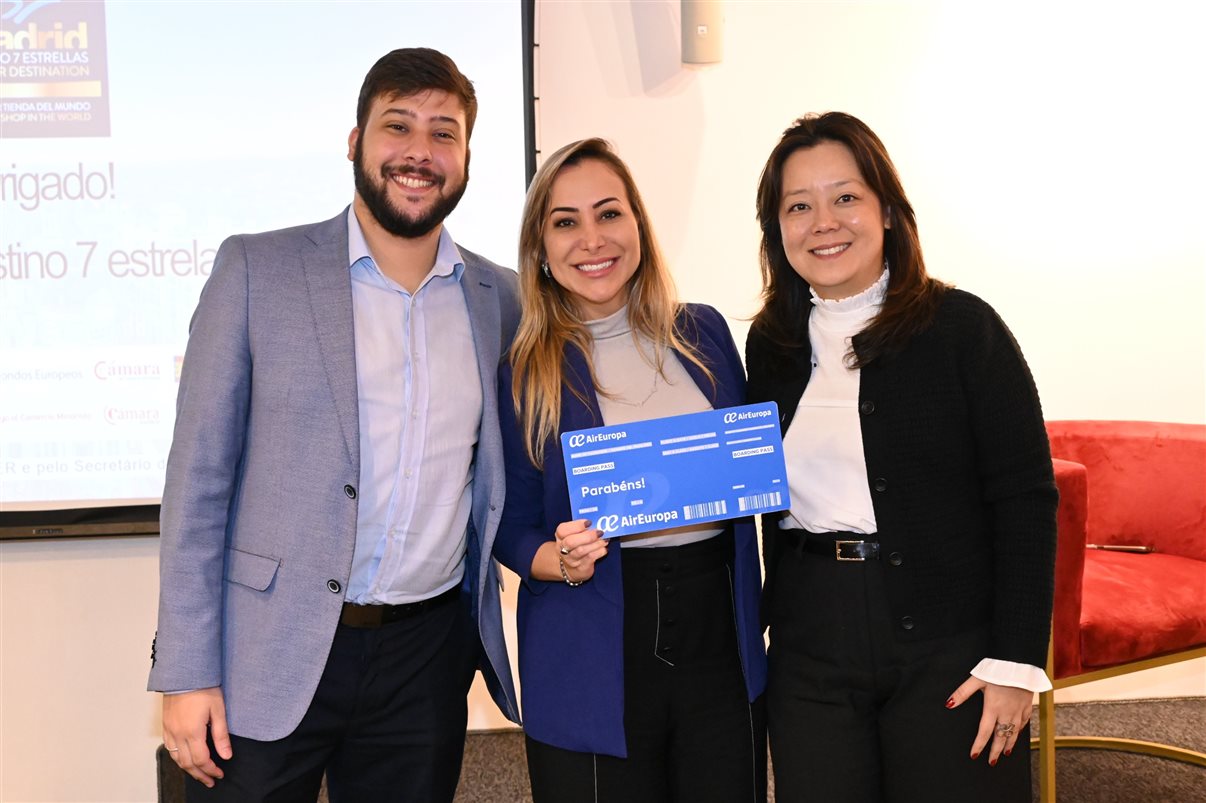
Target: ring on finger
[1005, 729]
[564, 551]
[173, 749]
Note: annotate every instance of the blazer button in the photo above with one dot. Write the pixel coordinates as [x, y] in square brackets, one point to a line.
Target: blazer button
[334, 587]
[867, 407]
[881, 484]
[906, 622]
[896, 559]
[350, 491]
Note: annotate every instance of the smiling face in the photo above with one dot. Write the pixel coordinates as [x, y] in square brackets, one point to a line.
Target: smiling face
[832, 223]
[411, 161]
[591, 238]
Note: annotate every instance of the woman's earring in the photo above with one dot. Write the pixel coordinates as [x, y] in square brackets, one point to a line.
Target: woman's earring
[544, 266]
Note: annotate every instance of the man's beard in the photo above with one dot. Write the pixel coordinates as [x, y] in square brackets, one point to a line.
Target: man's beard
[376, 198]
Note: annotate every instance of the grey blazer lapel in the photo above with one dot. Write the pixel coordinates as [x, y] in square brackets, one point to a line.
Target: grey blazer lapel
[482, 300]
[324, 257]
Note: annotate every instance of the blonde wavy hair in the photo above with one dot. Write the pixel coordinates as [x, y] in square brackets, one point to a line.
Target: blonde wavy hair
[550, 323]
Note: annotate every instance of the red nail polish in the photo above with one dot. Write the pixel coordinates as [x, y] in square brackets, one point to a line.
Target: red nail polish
[950, 703]
[1007, 752]
[975, 756]
[992, 763]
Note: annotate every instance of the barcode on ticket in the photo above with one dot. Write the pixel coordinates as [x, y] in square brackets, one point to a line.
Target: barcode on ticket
[704, 509]
[755, 501]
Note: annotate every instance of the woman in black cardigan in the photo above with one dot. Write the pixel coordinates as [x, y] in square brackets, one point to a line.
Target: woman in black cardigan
[908, 589]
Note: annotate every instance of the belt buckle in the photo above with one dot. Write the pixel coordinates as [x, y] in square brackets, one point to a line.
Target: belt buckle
[837, 550]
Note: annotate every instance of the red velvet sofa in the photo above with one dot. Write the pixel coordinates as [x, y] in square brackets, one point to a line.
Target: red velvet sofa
[1125, 484]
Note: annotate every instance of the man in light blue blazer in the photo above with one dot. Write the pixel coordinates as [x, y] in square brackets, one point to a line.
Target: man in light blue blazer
[336, 479]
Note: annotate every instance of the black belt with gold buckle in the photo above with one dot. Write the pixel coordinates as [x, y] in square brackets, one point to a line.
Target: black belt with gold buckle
[854, 549]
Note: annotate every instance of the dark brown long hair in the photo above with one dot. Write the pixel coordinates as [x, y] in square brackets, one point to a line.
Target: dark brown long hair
[912, 297]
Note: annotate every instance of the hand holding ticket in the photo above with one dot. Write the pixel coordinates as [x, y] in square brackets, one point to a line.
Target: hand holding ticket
[685, 469]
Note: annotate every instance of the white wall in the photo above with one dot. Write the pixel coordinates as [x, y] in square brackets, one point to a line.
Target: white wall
[76, 619]
[1051, 152]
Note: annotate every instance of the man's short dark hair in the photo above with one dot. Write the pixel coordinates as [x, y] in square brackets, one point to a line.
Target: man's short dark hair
[411, 70]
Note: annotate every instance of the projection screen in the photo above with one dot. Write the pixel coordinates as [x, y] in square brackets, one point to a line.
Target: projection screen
[136, 136]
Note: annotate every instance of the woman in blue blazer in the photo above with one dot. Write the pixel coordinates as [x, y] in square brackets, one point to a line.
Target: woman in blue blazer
[641, 662]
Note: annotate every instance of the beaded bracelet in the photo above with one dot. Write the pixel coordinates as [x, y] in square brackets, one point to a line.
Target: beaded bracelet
[565, 575]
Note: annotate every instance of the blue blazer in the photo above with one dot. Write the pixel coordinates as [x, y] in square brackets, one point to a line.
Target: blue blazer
[258, 521]
[571, 654]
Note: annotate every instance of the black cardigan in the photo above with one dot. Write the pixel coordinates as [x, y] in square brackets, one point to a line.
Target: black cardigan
[960, 475]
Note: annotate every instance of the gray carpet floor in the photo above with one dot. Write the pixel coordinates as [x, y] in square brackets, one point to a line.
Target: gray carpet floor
[495, 770]
[1104, 776]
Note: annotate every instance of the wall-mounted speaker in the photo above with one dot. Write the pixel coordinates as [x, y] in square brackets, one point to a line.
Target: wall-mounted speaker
[703, 31]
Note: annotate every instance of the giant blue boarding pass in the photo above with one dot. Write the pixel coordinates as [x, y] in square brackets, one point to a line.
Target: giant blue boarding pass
[684, 469]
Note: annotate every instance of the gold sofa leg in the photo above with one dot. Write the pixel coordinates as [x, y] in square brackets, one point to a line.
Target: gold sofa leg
[1045, 744]
[1181, 754]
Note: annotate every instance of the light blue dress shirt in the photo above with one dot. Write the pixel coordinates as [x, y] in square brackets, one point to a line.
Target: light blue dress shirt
[420, 401]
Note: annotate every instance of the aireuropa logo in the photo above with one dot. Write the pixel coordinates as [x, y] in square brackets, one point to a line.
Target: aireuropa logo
[585, 438]
[745, 415]
[608, 524]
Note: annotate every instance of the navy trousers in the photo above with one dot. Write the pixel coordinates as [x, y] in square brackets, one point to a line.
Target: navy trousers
[387, 723]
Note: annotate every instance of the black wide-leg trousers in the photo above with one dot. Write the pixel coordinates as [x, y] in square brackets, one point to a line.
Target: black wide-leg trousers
[692, 734]
[857, 715]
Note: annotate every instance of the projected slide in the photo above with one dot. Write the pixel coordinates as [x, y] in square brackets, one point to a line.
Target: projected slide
[136, 136]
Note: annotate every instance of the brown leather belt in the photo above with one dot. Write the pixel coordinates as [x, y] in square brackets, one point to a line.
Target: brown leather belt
[377, 615]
